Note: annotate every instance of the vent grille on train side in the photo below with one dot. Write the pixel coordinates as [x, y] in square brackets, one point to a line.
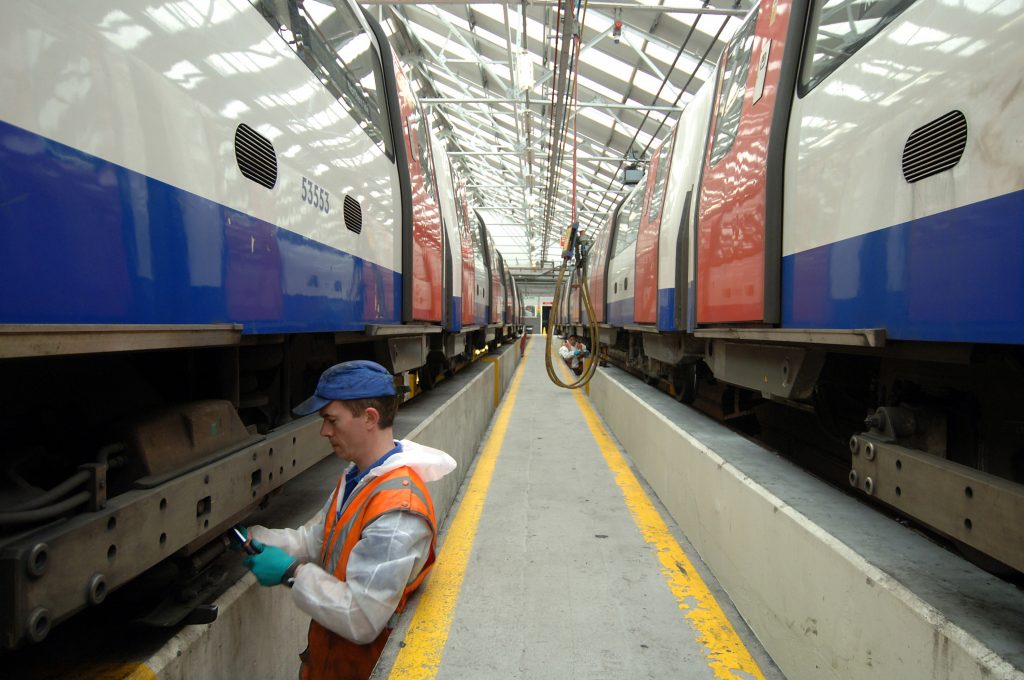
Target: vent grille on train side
[353, 215]
[935, 147]
[256, 156]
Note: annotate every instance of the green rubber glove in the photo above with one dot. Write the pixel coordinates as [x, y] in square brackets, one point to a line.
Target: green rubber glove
[271, 566]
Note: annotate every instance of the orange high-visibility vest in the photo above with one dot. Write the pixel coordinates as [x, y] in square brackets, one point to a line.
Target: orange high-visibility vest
[329, 655]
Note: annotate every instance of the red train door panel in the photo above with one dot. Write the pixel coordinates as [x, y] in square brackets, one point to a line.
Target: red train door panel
[739, 234]
[645, 292]
[467, 268]
[597, 265]
[427, 274]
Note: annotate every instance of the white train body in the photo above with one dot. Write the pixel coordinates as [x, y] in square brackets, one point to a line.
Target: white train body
[202, 207]
[146, 101]
[841, 231]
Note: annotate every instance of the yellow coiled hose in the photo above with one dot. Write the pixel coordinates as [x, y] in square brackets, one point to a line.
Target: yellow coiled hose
[590, 363]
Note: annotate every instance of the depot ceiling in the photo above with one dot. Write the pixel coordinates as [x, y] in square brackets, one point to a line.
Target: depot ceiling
[497, 78]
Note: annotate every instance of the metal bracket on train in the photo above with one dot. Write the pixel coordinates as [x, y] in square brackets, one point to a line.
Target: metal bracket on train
[978, 509]
[96, 485]
[785, 371]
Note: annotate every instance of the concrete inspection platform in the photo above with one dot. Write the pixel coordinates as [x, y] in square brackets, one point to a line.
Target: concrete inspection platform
[558, 562]
[259, 631]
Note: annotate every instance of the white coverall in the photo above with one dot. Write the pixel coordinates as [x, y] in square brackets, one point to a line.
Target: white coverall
[386, 559]
[570, 354]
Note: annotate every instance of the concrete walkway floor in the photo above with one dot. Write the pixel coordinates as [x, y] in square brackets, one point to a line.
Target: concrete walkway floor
[559, 562]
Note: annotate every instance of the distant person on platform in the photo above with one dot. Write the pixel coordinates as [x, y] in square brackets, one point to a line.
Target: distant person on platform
[573, 351]
[373, 543]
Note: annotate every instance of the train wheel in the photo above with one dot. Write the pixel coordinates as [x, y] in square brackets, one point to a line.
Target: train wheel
[425, 377]
[684, 383]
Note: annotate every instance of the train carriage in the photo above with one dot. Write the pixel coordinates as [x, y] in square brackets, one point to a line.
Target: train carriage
[198, 214]
[834, 225]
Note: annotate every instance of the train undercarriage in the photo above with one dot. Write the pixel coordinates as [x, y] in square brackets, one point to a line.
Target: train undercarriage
[929, 430]
[132, 450]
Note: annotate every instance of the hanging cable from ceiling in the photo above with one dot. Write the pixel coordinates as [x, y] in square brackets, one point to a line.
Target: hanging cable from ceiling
[572, 248]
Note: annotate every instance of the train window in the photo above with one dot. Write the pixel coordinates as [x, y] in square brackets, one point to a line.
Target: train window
[837, 29]
[331, 42]
[734, 85]
[660, 179]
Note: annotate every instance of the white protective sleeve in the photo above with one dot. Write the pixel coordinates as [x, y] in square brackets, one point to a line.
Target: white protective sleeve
[304, 543]
[390, 554]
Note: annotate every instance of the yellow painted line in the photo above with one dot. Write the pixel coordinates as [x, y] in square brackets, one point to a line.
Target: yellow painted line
[126, 672]
[420, 658]
[727, 656]
[96, 671]
[497, 377]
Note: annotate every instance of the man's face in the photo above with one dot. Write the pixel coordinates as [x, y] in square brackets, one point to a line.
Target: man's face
[344, 431]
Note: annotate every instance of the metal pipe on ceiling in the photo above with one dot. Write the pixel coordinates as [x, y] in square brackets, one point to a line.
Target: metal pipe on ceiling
[580, 105]
[624, 6]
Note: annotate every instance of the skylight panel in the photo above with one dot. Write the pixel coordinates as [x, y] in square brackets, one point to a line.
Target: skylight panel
[606, 63]
[446, 15]
[706, 25]
[597, 88]
[650, 85]
[598, 116]
[443, 43]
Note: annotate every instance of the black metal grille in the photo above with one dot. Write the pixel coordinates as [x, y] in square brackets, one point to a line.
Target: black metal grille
[353, 215]
[256, 156]
[935, 147]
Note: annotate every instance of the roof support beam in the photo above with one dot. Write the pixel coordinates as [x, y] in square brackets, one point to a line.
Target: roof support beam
[581, 105]
[624, 6]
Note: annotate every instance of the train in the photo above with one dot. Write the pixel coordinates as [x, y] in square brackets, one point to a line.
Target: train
[834, 231]
[201, 208]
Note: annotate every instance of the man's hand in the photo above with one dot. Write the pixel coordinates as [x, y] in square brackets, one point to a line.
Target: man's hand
[271, 567]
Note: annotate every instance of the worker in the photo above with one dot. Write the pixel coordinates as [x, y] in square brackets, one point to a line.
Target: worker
[353, 569]
[573, 351]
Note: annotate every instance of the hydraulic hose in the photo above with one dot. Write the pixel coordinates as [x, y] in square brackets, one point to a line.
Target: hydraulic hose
[590, 365]
[53, 494]
[40, 514]
[572, 246]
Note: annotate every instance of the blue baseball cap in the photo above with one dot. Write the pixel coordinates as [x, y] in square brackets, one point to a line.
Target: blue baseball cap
[349, 380]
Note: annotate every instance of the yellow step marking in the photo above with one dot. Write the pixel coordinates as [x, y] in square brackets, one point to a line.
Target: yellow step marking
[727, 656]
[420, 658]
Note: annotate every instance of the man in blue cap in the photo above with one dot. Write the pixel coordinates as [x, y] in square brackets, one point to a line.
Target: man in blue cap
[355, 566]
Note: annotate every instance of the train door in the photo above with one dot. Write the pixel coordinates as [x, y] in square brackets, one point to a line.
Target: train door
[573, 295]
[468, 300]
[496, 296]
[645, 292]
[452, 263]
[509, 293]
[675, 251]
[739, 247]
[622, 259]
[481, 278]
[424, 276]
[597, 268]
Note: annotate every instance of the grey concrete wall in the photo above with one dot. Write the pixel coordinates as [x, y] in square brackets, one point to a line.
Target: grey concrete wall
[260, 632]
[459, 425]
[830, 587]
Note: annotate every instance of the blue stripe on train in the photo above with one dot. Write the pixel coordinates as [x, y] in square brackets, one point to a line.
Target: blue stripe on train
[957, 276]
[83, 240]
[667, 309]
[456, 319]
[621, 311]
